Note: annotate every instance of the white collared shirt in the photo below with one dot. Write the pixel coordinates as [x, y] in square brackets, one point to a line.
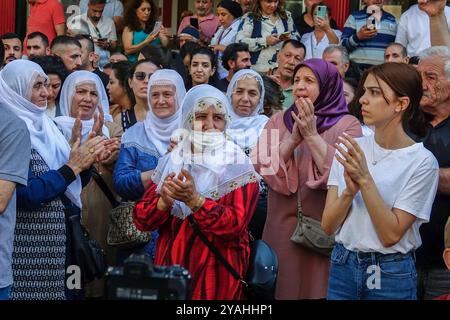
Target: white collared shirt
[414, 30]
[225, 37]
[315, 49]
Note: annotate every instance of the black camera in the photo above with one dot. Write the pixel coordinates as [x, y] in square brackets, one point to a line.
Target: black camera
[139, 279]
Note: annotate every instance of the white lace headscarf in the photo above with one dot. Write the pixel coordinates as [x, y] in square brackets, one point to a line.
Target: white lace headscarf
[16, 82]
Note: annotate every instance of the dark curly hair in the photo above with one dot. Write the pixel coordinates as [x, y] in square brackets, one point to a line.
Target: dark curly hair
[131, 20]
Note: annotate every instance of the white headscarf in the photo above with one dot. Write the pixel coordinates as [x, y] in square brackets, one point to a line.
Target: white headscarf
[220, 168]
[16, 82]
[245, 131]
[66, 121]
[153, 134]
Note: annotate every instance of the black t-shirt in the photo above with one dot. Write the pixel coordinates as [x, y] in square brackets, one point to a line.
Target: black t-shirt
[303, 27]
[104, 77]
[432, 233]
[222, 84]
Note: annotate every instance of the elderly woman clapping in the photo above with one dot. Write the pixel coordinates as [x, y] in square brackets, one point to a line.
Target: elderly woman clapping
[57, 173]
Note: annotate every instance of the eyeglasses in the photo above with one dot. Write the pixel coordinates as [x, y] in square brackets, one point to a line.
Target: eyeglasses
[141, 75]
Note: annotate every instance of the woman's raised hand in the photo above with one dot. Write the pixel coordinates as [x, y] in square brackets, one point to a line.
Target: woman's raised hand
[83, 156]
[76, 131]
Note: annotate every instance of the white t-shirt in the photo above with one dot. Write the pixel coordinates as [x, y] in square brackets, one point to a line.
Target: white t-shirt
[413, 30]
[406, 179]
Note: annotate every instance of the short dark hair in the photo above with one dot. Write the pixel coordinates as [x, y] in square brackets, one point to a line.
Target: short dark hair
[404, 51]
[231, 53]
[107, 66]
[274, 97]
[65, 40]
[188, 48]
[295, 43]
[10, 35]
[2, 55]
[38, 34]
[97, 1]
[88, 38]
[157, 54]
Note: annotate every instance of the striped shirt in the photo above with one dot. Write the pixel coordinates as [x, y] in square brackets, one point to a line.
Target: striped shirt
[369, 51]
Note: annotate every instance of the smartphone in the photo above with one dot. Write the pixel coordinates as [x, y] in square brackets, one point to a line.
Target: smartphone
[285, 35]
[371, 23]
[102, 39]
[194, 23]
[157, 27]
[322, 12]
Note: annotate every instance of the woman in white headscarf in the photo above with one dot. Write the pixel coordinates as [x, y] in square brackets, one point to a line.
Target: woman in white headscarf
[246, 95]
[209, 179]
[54, 185]
[145, 142]
[83, 96]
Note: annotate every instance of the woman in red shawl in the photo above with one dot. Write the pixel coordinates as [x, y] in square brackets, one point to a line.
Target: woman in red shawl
[300, 161]
[211, 179]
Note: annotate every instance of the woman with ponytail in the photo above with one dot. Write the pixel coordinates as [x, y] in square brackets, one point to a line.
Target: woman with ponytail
[380, 190]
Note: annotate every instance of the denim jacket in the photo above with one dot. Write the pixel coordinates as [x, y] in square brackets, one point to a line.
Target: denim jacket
[127, 173]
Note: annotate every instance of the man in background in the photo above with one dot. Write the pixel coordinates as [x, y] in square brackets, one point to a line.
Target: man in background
[395, 52]
[69, 50]
[46, 16]
[37, 45]
[236, 56]
[13, 47]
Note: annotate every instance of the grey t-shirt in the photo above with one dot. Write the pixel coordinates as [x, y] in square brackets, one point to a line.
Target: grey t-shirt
[15, 149]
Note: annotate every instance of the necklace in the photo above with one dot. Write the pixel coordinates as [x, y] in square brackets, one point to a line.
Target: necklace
[375, 161]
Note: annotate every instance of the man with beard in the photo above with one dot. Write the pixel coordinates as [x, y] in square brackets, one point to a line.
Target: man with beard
[207, 21]
[291, 54]
[236, 56]
[434, 67]
[101, 28]
[37, 45]
[69, 50]
[13, 47]
[88, 57]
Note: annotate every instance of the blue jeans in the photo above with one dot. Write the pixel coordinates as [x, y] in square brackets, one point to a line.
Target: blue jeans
[371, 276]
[5, 293]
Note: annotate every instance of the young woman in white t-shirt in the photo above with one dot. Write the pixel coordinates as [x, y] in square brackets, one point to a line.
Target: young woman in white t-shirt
[380, 190]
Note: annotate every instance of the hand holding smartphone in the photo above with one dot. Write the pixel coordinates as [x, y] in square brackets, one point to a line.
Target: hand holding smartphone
[322, 12]
[194, 23]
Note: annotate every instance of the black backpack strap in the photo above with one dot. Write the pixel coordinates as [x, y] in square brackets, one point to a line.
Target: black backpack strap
[256, 33]
[214, 250]
[104, 187]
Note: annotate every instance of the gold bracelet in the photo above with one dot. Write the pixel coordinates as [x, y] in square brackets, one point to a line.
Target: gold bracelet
[198, 203]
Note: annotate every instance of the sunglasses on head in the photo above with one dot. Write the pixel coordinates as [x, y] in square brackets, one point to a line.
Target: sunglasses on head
[141, 75]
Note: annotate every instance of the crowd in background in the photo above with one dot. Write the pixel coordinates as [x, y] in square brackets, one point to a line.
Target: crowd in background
[241, 120]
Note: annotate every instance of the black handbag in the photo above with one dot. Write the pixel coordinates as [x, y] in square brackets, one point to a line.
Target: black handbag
[261, 277]
[86, 253]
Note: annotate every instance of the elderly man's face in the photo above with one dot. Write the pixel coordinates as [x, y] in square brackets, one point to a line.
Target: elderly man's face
[203, 7]
[436, 85]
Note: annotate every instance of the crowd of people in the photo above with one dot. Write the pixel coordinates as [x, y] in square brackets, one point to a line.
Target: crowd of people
[238, 125]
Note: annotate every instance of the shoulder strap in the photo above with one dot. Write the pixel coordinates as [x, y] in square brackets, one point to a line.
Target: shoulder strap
[104, 187]
[214, 250]
[299, 200]
[256, 33]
